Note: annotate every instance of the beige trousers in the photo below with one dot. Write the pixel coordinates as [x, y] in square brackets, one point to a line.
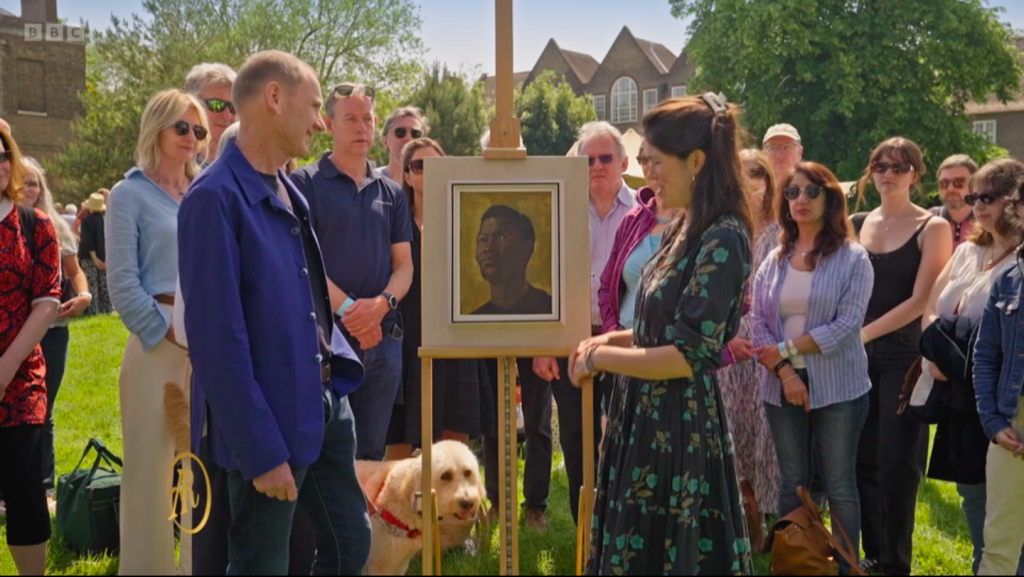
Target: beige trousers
[1004, 511]
[147, 536]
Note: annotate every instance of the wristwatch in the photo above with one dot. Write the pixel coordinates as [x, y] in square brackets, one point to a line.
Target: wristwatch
[392, 301]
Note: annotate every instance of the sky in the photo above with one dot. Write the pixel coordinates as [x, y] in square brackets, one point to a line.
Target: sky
[460, 33]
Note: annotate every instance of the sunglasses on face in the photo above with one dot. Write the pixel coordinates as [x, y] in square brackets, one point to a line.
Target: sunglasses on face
[604, 158]
[896, 167]
[812, 191]
[216, 105]
[986, 198]
[416, 166]
[6, 156]
[181, 128]
[958, 182]
[347, 88]
[401, 131]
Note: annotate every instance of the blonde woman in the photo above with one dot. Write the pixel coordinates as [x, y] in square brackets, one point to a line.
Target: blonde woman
[142, 270]
[74, 300]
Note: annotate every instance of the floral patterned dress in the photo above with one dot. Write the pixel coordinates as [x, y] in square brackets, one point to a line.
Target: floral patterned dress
[668, 501]
[740, 384]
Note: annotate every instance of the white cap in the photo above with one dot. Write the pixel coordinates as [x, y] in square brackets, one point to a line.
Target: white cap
[786, 130]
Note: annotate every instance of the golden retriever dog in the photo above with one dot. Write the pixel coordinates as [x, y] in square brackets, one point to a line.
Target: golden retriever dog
[391, 488]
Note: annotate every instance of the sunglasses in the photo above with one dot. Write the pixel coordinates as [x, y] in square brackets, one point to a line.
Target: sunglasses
[604, 158]
[986, 198]
[216, 105]
[812, 191]
[181, 128]
[896, 167]
[347, 88]
[415, 167]
[401, 130]
[958, 182]
[757, 173]
[6, 156]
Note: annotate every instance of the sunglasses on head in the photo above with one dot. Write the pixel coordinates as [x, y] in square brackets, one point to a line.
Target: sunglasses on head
[347, 88]
[416, 167]
[812, 191]
[986, 198]
[6, 156]
[182, 127]
[216, 105]
[401, 131]
[604, 158]
[959, 182]
[757, 173]
[896, 167]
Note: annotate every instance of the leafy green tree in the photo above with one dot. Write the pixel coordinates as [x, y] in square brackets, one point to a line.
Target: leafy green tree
[551, 114]
[372, 41]
[455, 108]
[850, 73]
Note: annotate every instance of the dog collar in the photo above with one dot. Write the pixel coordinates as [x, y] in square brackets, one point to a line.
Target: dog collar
[395, 526]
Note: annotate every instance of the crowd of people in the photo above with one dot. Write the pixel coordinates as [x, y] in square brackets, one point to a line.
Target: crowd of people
[749, 336]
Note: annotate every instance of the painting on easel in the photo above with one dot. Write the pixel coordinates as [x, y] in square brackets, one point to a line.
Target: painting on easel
[505, 252]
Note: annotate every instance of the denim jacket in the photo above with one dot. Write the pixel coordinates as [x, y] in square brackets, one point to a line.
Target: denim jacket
[999, 353]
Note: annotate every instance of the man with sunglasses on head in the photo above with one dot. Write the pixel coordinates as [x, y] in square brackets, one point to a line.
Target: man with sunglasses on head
[211, 84]
[402, 126]
[954, 176]
[365, 231]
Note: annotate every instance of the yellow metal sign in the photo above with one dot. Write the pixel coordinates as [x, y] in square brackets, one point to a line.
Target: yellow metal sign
[181, 495]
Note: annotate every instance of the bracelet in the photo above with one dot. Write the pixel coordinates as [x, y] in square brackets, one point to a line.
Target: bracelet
[781, 364]
[864, 337]
[790, 379]
[588, 361]
[784, 351]
[84, 294]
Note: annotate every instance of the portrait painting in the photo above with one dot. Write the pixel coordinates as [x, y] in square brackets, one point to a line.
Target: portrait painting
[505, 253]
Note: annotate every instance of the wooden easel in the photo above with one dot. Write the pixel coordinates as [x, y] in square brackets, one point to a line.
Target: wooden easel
[504, 146]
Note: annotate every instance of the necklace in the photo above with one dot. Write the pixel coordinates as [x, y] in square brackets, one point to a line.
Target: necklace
[162, 183]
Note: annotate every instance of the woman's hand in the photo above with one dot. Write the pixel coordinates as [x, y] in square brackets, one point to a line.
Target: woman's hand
[742, 349]
[795, 392]
[1009, 440]
[578, 371]
[935, 372]
[74, 307]
[769, 356]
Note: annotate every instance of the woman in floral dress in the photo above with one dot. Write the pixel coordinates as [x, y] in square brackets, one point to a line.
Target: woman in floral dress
[668, 500]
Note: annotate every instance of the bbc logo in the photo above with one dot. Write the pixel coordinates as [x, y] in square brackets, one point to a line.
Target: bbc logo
[54, 33]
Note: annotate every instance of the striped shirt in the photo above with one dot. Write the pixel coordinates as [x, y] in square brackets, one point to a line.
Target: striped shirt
[840, 290]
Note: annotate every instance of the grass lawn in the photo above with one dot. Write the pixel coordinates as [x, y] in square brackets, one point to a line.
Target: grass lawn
[87, 406]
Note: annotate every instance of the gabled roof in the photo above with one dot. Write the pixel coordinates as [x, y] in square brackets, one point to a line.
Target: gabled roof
[661, 57]
[582, 64]
[6, 13]
[994, 106]
[490, 84]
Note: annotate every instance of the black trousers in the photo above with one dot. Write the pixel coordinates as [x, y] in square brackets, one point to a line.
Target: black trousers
[21, 482]
[891, 456]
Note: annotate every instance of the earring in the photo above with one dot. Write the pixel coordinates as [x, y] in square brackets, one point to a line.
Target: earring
[789, 217]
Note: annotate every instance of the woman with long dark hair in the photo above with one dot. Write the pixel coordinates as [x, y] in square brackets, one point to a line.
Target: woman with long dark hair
[667, 495]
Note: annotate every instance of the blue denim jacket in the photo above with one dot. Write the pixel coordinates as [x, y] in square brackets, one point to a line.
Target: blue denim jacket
[999, 353]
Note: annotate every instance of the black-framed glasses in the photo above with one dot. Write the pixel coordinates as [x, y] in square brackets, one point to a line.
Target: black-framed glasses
[182, 127]
[958, 182]
[347, 88]
[604, 158]
[986, 198]
[811, 191]
[416, 166]
[6, 156]
[401, 131]
[897, 168]
[216, 105]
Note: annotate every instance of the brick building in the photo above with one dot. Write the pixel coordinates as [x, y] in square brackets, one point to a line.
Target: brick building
[1002, 123]
[39, 80]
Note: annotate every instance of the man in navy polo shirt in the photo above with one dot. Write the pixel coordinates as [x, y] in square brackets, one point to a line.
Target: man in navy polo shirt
[363, 225]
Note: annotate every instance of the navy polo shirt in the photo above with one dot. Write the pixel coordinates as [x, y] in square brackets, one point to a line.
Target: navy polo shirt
[356, 225]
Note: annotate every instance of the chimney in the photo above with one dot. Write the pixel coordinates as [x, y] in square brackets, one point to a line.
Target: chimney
[41, 11]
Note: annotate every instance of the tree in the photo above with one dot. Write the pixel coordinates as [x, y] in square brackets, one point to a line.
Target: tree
[455, 109]
[551, 114]
[372, 41]
[850, 73]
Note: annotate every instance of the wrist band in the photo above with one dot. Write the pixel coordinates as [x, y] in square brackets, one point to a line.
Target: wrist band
[781, 364]
[588, 361]
[790, 379]
[344, 307]
[791, 347]
[784, 351]
[864, 337]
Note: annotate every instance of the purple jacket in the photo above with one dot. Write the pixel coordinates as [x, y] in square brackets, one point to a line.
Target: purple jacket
[635, 226]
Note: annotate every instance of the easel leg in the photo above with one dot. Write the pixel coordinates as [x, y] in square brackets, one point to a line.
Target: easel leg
[426, 482]
[588, 469]
[508, 506]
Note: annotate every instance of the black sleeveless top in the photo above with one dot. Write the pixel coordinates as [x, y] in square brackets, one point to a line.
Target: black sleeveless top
[895, 273]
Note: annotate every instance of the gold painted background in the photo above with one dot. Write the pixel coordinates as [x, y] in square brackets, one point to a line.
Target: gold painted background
[475, 291]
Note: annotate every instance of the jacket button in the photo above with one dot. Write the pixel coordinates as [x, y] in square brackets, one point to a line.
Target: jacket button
[319, 359]
[304, 273]
[295, 231]
[312, 316]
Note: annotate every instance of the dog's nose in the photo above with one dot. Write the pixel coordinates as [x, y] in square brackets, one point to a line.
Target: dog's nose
[466, 504]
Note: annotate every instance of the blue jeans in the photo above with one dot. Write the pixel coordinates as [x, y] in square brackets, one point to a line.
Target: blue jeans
[831, 434]
[374, 401]
[55, 352]
[331, 497]
[975, 497]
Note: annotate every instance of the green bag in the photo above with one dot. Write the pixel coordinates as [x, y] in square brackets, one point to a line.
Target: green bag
[88, 504]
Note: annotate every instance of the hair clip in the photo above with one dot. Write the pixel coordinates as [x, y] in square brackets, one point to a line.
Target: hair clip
[717, 102]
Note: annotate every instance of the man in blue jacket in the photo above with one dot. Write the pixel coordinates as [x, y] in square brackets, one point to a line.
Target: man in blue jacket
[271, 371]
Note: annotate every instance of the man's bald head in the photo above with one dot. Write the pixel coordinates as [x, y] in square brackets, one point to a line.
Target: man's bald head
[265, 67]
[4, 126]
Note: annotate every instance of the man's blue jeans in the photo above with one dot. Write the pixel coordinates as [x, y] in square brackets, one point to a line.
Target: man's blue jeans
[832, 434]
[975, 497]
[374, 401]
[329, 493]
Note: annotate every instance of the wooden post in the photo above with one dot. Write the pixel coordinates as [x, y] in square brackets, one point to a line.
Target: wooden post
[426, 452]
[505, 133]
[588, 468]
[508, 494]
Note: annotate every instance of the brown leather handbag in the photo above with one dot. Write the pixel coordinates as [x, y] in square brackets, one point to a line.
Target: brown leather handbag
[801, 545]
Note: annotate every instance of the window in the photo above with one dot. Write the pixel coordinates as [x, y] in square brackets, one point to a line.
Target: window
[599, 107]
[650, 99]
[678, 91]
[624, 96]
[986, 128]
